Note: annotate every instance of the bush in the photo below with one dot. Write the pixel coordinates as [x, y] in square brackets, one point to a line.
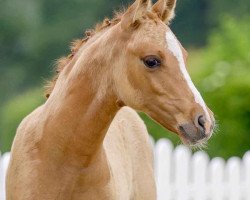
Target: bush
[12, 114]
[225, 84]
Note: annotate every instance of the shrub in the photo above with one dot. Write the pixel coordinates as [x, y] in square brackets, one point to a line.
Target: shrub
[13, 112]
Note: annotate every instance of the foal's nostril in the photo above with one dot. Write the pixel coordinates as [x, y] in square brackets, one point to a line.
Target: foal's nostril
[201, 121]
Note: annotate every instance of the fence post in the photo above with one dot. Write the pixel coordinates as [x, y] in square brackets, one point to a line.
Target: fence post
[4, 162]
[199, 173]
[246, 175]
[2, 179]
[233, 176]
[217, 178]
[181, 163]
[163, 168]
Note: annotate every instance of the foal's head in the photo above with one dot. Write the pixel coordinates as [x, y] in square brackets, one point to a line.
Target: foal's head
[150, 72]
[139, 60]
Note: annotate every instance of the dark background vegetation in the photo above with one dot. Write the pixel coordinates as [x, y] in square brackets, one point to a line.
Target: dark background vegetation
[33, 33]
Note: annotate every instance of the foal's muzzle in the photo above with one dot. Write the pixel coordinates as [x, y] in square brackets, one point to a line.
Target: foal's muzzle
[200, 129]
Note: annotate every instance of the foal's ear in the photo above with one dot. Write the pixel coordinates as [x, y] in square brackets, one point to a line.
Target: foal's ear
[165, 9]
[134, 13]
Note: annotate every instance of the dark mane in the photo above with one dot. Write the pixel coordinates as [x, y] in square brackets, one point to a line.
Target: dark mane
[75, 46]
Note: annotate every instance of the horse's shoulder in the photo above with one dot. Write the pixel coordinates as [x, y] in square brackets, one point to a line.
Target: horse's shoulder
[30, 120]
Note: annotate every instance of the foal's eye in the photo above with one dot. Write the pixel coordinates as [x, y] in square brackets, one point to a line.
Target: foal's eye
[151, 62]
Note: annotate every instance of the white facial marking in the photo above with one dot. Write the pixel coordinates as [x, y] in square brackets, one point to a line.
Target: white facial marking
[174, 47]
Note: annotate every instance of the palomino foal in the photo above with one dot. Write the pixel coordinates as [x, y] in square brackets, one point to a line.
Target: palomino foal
[69, 149]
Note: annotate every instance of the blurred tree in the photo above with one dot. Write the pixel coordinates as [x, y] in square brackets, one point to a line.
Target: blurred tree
[219, 8]
[35, 33]
[226, 85]
[191, 22]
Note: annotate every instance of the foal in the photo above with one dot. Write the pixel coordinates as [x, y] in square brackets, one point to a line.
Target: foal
[80, 144]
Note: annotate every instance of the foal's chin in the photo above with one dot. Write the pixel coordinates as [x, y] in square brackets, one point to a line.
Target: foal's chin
[194, 144]
[194, 140]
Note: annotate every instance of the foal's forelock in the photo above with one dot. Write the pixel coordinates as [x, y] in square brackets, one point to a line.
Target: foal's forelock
[175, 49]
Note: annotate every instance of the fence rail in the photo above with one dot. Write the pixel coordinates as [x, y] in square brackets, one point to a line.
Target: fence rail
[183, 176]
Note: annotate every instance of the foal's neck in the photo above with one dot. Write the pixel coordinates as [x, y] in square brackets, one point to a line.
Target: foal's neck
[80, 110]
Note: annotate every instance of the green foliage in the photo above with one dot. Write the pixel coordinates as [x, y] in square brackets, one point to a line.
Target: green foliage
[35, 33]
[226, 86]
[13, 113]
[191, 23]
[219, 8]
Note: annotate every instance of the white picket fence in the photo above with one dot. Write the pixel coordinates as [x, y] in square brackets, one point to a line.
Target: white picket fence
[4, 161]
[183, 176]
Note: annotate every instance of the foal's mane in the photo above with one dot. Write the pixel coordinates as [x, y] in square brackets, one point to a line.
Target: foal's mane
[62, 62]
